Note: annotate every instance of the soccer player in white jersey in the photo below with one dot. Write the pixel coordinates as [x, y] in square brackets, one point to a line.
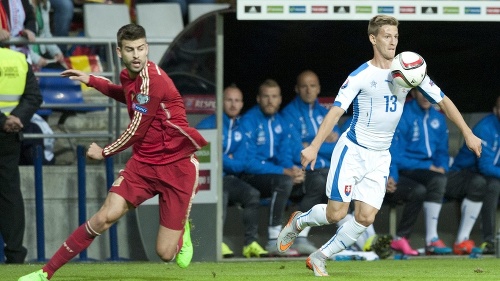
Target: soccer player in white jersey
[360, 161]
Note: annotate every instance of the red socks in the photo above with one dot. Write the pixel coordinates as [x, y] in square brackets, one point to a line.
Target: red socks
[78, 241]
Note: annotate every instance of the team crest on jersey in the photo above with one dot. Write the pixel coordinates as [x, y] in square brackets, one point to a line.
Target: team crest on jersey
[346, 83]
[435, 123]
[142, 98]
[278, 129]
[347, 189]
[237, 136]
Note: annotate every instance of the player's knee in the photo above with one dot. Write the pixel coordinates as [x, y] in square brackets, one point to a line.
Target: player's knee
[364, 219]
[252, 202]
[334, 217]
[437, 185]
[104, 219]
[477, 189]
[419, 193]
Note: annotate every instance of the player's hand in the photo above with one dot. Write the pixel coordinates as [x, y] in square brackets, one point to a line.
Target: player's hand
[4, 34]
[308, 156]
[13, 124]
[77, 75]
[28, 34]
[391, 185]
[474, 144]
[437, 169]
[59, 58]
[95, 152]
[42, 62]
[299, 175]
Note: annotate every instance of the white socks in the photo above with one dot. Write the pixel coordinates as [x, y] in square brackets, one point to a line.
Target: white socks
[273, 231]
[369, 232]
[346, 235]
[305, 231]
[314, 217]
[431, 213]
[470, 211]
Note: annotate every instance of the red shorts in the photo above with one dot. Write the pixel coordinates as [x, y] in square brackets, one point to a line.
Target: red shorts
[175, 183]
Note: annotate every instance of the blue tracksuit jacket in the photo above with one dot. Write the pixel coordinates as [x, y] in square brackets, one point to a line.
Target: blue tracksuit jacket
[233, 143]
[488, 130]
[304, 121]
[268, 143]
[420, 140]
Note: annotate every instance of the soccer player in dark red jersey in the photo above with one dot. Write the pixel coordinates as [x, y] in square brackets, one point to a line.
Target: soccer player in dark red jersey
[163, 161]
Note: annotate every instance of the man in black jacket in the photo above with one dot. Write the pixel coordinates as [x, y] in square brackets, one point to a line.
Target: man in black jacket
[20, 98]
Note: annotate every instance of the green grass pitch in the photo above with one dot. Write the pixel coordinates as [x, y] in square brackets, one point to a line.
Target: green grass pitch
[459, 268]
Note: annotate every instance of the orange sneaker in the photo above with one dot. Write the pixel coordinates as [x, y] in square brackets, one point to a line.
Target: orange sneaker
[463, 248]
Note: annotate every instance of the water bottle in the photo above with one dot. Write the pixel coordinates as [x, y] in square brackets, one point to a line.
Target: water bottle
[343, 258]
[497, 245]
[400, 257]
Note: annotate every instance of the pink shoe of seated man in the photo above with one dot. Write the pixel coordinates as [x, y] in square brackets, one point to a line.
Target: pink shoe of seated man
[402, 245]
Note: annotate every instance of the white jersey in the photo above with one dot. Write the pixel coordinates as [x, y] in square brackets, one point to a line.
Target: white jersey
[377, 104]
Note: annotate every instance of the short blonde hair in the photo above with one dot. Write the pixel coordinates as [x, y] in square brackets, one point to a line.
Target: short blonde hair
[269, 83]
[380, 20]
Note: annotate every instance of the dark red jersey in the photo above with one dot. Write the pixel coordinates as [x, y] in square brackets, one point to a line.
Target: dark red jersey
[159, 130]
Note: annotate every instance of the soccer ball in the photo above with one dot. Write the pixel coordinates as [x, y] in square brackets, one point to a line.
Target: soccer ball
[408, 69]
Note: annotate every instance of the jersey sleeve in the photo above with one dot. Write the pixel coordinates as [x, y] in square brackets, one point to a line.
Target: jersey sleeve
[346, 94]
[107, 87]
[430, 90]
[145, 106]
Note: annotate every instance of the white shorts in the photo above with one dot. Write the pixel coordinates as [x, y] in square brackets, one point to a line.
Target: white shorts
[357, 173]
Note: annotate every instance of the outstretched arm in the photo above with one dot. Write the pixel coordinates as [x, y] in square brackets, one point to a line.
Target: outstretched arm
[102, 84]
[451, 111]
[309, 154]
[76, 75]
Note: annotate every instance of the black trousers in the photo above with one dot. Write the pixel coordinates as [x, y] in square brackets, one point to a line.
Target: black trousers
[413, 188]
[239, 192]
[312, 191]
[489, 209]
[12, 221]
[276, 186]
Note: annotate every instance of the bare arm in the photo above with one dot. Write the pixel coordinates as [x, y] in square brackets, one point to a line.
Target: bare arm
[451, 111]
[309, 154]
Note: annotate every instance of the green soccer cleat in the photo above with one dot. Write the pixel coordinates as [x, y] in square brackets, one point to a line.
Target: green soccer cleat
[254, 250]
[35, 276]
[380, 244]
[185, 255]
[488, 248]
[226, 251]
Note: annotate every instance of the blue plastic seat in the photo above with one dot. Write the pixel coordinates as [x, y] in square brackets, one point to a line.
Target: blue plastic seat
[62, 90]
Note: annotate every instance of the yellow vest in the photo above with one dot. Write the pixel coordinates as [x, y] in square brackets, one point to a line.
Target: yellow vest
[13, 69]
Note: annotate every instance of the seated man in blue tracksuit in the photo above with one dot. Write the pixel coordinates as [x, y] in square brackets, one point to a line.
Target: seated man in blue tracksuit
[270, 168]
[304, 115]
[421, 155]
[467, 165]
[234, 159]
